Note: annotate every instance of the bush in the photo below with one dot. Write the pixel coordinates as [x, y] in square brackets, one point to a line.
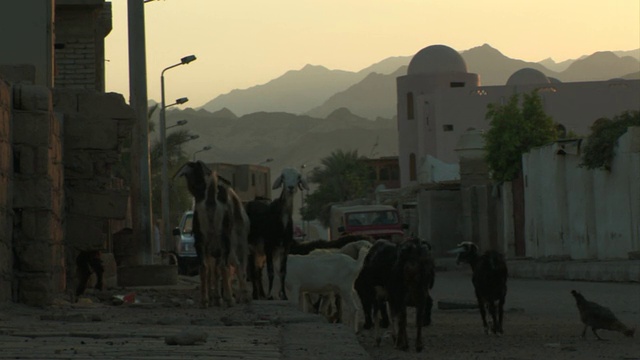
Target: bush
[601, 143]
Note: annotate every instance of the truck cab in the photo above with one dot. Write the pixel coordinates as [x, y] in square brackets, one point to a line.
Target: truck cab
[378, 221]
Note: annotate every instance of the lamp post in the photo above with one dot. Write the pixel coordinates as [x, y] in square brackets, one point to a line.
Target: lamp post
[206, 148]
[179, 123]
[163, 133]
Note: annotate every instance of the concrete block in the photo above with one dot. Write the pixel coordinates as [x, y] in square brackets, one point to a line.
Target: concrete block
[85, 233]
[23, 73]
[32, 127]
[32, 98]
[65, 100]
[35, 289]
[109, 106]
[81, 132]
[35, 193]
[34, 255]
[108, 204]
[78, 165]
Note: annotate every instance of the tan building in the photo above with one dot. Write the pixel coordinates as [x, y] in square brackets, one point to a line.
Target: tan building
[438, 101]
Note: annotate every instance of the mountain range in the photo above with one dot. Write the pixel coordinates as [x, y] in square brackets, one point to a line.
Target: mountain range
[370, 92]
[303, 115]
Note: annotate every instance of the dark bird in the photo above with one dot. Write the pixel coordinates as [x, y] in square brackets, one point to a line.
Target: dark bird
[598, 317]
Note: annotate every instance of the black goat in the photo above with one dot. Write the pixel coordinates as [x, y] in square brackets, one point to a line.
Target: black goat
[273, 230]
[403, 275]
[489, 281]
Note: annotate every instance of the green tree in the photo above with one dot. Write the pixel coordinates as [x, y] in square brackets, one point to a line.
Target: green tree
[601, 143]
[342, 177]
[515, 130]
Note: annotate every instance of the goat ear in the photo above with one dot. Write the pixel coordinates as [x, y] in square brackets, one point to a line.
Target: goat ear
[186, 169]
[302, 184]
[277, 183]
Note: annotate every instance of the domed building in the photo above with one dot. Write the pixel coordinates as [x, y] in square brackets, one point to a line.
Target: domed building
[439, 99]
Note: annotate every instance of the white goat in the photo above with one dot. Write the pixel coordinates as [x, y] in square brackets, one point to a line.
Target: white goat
[323, 273]
[221, 228]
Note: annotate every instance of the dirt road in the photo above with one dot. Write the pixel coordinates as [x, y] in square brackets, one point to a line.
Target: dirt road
[541, 322]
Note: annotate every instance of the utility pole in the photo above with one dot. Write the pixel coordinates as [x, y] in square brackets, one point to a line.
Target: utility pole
[140, 174]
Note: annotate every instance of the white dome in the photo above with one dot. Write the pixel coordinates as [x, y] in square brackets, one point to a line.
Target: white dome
[527, 76]
[436, 59]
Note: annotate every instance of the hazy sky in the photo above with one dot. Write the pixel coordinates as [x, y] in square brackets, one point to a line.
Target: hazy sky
[240, 44]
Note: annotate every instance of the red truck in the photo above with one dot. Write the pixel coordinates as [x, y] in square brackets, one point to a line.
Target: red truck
[378, 221]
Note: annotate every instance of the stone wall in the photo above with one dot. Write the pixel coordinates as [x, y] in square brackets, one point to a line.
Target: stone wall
[6, 218]
[38, 246]
[95, 127]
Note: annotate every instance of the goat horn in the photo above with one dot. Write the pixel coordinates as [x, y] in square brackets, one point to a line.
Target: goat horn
[458, 250]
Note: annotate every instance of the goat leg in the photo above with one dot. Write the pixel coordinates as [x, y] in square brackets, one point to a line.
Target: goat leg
[500, 315]
[270, 272]
[283, 272]
[204, 282]
[402, 340]
[420, 313]
[596, 334]
[483, 313]
[492, 311]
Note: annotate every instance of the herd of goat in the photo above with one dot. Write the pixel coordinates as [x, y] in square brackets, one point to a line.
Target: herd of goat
[353, 274]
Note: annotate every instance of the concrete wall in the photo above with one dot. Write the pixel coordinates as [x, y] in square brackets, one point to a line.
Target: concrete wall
[33, 21]
[6, 173]
[440, 219]
[580, 213]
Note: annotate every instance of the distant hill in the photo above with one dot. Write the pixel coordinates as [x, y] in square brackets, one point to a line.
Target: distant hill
[291, 140]
[371, 92]
[374, 96]
[296, 91]
[603, 65]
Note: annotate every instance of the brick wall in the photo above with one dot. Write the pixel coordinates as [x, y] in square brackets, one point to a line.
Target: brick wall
[6, 218]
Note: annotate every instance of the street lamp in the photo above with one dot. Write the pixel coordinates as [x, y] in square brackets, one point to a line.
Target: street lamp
[163, 134]
[206, 148]
[179, 123]
[268, 160]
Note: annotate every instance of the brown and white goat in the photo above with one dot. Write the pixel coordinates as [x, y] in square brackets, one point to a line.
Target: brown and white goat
[221, 228]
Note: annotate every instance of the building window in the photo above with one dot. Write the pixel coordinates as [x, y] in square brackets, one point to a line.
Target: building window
[456, 84]
[447, 127]
[253, 179]
[410, 114]
[412, 167]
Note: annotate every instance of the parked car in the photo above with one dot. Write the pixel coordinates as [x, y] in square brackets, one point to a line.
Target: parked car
[185, 249]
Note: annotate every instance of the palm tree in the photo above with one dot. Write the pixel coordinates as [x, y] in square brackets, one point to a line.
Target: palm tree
[342, 177]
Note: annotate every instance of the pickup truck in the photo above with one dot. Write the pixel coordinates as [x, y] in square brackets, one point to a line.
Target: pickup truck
[378, 221]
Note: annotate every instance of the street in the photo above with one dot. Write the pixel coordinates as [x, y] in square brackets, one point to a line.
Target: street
[541, 322]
